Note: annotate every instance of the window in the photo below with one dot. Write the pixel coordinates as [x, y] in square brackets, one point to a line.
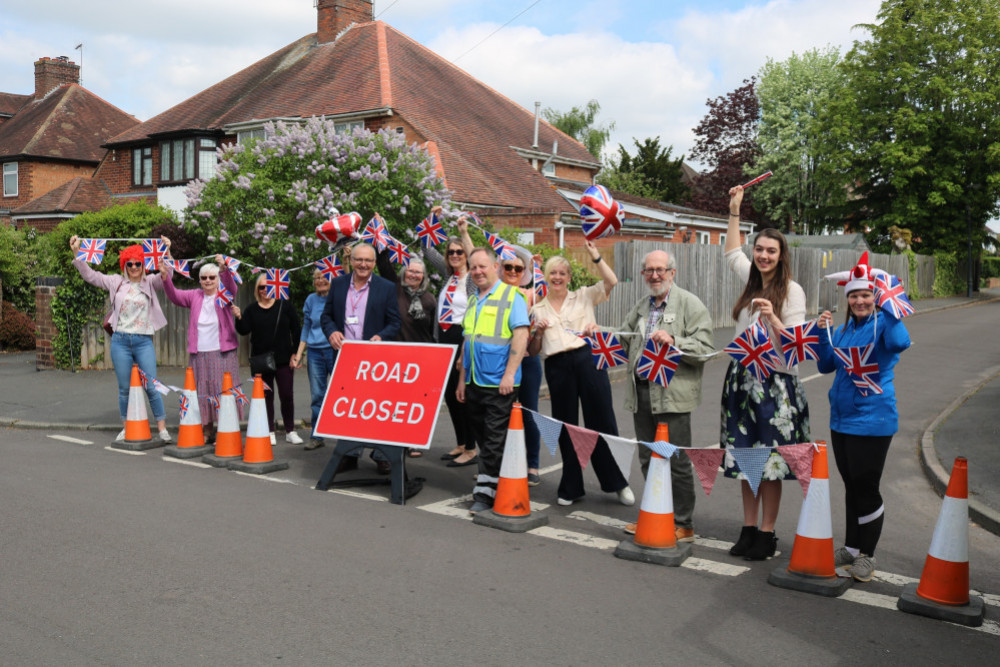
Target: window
[549, 169]
[722, 239]
[347, 128]
[9, 179]
[184, 159]
[142, 166]
[244, 136]
[704, 238]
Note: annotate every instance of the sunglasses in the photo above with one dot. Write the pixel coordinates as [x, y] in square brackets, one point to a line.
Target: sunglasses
[133, 265]
[455, 253]
[513, 268]
[207, 278]
[262, 288]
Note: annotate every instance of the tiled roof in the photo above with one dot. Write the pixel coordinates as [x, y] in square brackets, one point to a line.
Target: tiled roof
[11, 102]
[69, 123]
[76, 196]
[371, 67]
[626, 198]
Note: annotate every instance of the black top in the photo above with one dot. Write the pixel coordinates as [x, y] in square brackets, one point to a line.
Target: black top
[260, 324]
[410, 330]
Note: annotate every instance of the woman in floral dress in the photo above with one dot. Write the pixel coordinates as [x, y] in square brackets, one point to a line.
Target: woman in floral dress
[774, 412]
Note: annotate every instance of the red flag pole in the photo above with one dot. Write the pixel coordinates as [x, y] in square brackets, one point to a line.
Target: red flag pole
[757, 180]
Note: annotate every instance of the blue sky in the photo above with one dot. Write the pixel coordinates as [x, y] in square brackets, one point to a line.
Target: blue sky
[650, 63]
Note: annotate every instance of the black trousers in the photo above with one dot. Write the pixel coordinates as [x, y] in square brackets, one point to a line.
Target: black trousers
[489, 417]
[860, 460]
[456, 411]
[574, 381]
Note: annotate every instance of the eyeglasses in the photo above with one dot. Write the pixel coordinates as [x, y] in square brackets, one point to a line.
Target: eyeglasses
[207, 278]
[513, 268]
[660, 271]
[361, 260]
[133, 265]
[455, 253]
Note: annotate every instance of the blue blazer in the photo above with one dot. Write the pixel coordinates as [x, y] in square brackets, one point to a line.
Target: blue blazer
[381, 313]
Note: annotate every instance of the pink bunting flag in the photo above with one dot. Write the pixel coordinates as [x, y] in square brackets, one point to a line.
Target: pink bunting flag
[584, 440]
[706, 463]
[800, 459]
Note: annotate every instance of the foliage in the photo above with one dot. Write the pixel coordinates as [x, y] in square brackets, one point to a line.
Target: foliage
[651, 169]
[947, 281]
[17, 330]
[805, 194]
[19, 267]
[917, 129]
[991, 267]
[579, 124]
[911, 261]
[727, 146]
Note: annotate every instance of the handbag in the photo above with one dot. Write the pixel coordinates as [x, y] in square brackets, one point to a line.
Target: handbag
[264, 363]
[111, 311]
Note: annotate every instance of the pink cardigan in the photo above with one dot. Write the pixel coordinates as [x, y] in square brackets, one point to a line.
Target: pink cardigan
[193, 298]
[113, 284]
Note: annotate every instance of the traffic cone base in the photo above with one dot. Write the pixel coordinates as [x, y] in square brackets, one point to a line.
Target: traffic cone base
[512, 505]
[258, 457]
[671, 557]
[970, 614]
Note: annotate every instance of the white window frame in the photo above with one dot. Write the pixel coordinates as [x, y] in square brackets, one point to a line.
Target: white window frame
[703, 238]
[243, 136]
[9, 169]
[722, 239]
[549, 169]
[348, 127]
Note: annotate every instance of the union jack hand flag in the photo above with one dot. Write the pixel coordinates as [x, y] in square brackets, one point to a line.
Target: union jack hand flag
[799, 343]
[180, 266]
[430, 231]
[861, 367]
[223, 298]
[153, 251]
[241, 397]
[185, 405]
[398, 252]
[658, 362]
[496, 243]
[891, 297]
[92, 250]
[754, 351]
[607, 350]
[144, 379]
[276, 281]
[330, 266]
[447, 309]
[255, 270]
[233, 265]
[214, 401]
[376, 234]
[541, 287]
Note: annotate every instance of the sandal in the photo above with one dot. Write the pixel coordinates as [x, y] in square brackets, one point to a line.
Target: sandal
[415, 453]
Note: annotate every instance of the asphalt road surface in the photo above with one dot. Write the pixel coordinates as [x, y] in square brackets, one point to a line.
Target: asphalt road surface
[117, 558]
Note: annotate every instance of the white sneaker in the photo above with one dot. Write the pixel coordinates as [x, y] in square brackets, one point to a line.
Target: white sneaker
[626, 497]
[293, 438]
[164, 436]
[564, 502]
[121, 436]
[274, 440]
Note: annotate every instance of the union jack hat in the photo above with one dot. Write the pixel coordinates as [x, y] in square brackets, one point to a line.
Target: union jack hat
[862, 276]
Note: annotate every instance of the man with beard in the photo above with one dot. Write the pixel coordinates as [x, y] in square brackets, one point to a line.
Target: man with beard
[669, 316]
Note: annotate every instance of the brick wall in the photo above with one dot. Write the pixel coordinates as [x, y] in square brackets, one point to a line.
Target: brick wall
[45, 330]
[51, 73]
[34, 179]
[332, 16]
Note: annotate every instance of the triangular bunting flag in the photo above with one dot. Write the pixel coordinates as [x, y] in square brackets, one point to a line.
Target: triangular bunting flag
[664, 449]
[706, 464]
[751, 461]
[623, 451]
[549, 429]
[800, 459]
[584, 440]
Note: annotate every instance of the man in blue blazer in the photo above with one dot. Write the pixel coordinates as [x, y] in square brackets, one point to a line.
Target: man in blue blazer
[360, 306]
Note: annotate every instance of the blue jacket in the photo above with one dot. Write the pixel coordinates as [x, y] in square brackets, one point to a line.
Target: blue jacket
[850, 412]
[381, 311]
[312, 328]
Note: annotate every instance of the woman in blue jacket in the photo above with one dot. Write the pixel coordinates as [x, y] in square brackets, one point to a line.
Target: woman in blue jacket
[864, 418]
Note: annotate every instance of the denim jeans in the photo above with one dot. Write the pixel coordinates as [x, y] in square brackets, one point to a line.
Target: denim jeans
[128, 349]
[319, 362]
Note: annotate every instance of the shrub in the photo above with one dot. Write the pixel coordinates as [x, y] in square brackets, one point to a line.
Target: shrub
[19, 267]
[17, 330]
[947, 282]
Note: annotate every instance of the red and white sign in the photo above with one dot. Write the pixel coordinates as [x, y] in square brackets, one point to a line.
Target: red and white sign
[386, 392]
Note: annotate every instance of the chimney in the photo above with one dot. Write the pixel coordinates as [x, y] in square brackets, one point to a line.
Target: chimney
[334, 16]
[50, 73]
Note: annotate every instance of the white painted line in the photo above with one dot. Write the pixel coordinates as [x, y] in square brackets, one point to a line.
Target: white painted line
[988, 598]
[123, 451]
[711, 543]
[812, 377]
[551, 468]
[869, 598]
[894, 579]
[264, 477]
[75, 441]
[450, 507]
[358, 494]
[186, 462]
[715, 567]
[598, 519]
[576, 538]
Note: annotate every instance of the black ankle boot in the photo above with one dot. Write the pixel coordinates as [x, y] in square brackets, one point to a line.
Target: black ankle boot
[747, 536]
[763, 546]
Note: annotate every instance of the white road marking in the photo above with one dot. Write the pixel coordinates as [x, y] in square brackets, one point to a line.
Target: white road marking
[75, 441]
[358, 494]
[598, 519]
[124, 451]
[448, 507]
[576, 538]
[714, 566]
[812, 377]
[266, 478]
[186, 462]
[889, 602]
[551, 468]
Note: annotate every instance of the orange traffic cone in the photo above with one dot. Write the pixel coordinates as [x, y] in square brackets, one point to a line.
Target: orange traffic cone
[655, 539]
[228, 439]
[943, 592]
[811, 566]
[258, 458]
[512, 507]
[190, 435]
[137, 433]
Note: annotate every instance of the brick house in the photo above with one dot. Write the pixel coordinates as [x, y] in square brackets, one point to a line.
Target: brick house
[50, 138]
[496, 157]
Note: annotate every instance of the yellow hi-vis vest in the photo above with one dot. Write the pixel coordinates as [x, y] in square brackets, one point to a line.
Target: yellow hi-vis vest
[487, 337]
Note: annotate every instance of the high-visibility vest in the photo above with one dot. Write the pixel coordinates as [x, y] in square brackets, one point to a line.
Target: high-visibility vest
[486, 329]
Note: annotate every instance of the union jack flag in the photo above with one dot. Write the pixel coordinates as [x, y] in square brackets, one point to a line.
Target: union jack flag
[214, 401]
[495, 242]
[233, 265]
[607, 350]
[330, 266]
[861, 366]
[276, 281]
[754, 351]
[376, 234]
[799, 343]
[891, 297]
[398, 252]
[255, 270]
[223, 298]
[447, 309]
[658, 363]
[430, 231]
[541, 287]
[144, 379]
[185, 405]
[180, 266]
[92, 250]
[153, 251]
[241, 397]
[475, 219]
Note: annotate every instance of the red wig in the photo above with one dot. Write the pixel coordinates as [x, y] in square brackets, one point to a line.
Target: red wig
[129, 254]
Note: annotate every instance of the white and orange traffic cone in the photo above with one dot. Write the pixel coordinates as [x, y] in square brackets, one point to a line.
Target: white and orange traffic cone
[810, 568]
[190, 434]
[228, 438]
[137, 433]
[512, 505]
[258, 457]
[655, 539]
[943, 592]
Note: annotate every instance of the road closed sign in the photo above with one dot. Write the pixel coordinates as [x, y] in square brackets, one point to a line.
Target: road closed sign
[386, 392]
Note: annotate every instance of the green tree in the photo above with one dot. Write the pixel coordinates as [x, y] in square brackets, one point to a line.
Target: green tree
[651, 172]
[579, 124]
[18, 267]
[805, 193]
[918, 130]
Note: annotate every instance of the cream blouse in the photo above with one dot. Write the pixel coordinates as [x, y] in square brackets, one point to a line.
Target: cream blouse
[577, 312]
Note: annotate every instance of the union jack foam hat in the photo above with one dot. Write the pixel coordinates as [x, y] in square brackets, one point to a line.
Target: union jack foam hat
[862, 276]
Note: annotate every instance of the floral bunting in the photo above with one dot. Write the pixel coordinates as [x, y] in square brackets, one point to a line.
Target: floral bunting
[706, 464]
[584, 441]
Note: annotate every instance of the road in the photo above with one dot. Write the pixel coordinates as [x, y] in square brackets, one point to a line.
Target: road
[117, 558]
